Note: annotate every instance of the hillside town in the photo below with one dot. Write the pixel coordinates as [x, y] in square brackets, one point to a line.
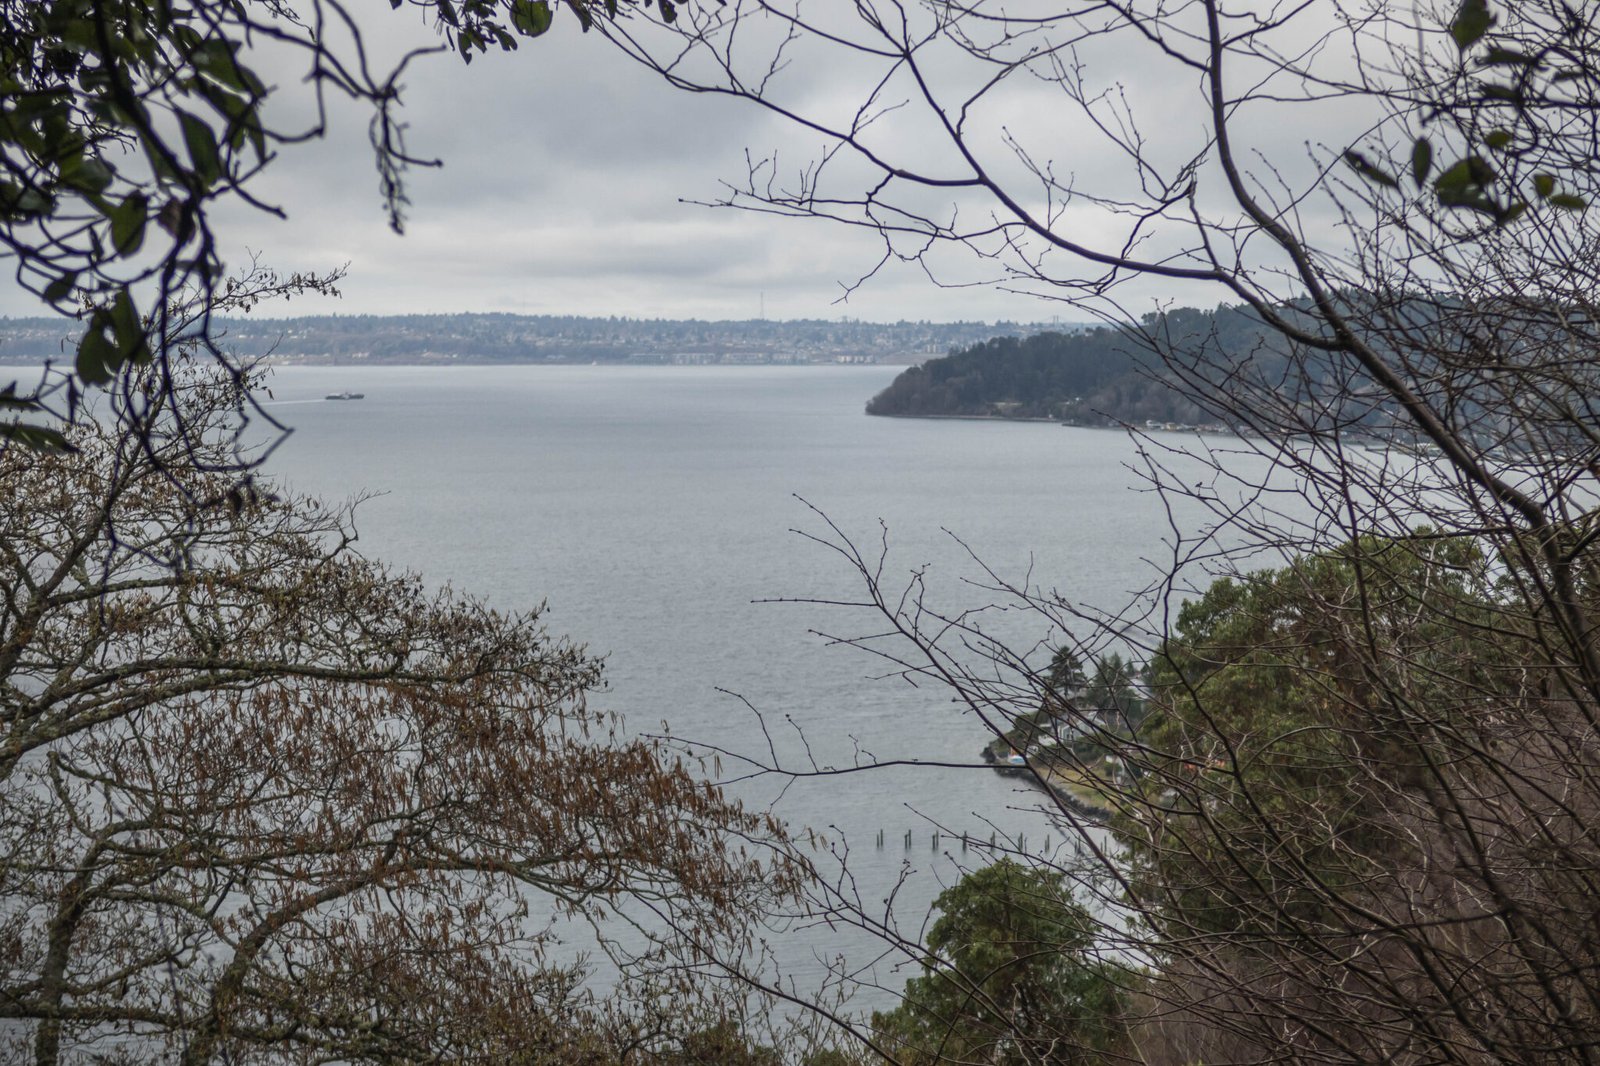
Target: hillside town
[506, 338]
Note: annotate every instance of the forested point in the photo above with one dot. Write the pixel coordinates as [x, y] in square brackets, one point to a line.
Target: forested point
[1100, 377]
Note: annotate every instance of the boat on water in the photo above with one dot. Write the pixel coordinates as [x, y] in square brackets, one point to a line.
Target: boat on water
[345, 395]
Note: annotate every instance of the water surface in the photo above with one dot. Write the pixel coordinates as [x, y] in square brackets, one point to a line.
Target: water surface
[653, 508]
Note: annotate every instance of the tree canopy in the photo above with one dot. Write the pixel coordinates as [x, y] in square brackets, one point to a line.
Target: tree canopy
[1103, 376]
[1011, 977]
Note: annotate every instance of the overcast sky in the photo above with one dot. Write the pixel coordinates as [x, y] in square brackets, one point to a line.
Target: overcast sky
[564, 168]
[565, 171]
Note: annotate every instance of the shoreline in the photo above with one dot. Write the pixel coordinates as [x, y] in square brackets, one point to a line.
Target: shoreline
[1124, 427]
[982, 418]
[1044, 779]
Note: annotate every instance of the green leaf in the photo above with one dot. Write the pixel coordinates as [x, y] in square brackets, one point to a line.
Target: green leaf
[1474, 200]
[127, 223]
[1421, 160]
[217, 61]
[98, 360]
[531, 17]
[1363, 166]
[1464, 173]
[34, 202]
[1463, 185]
[86, 173]
[100, 356]
[1494, 91]
[669, 12]
[39, 438]
[1544, 185]
[1567, 201]
[61, 287]
[129, 329]
[158, 160]
[1498, 140]
[202, 145]
[1472, 21]
[1497, 56]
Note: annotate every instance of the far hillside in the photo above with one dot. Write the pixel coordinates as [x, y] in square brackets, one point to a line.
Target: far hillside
[1101, 376]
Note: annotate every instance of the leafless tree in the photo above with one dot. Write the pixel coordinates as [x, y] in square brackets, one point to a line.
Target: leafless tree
[267, 801]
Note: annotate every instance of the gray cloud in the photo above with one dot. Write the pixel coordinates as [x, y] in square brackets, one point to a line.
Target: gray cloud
[564, 169]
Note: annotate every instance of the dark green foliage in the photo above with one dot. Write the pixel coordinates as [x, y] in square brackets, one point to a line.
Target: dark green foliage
[1048, 375]
[1290, 707]
[1507, 74]
[1099, 377]
[723, 1044]
[1011, 977]
[1065, 674]
[1113, 693]
[1087, 710]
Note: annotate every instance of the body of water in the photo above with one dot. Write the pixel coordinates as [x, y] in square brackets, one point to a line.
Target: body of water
[653, 509]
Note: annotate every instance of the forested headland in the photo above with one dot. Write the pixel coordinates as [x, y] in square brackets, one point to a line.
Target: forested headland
[1099, 377]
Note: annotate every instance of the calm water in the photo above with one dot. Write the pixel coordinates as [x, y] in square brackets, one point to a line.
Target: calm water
[653, 507]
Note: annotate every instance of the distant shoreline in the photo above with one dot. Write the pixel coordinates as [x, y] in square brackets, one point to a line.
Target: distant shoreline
[987, 418]
[22, 362]
[1211, 430]
[503, 339]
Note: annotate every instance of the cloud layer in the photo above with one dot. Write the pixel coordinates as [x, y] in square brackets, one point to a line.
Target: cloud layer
[566, 171]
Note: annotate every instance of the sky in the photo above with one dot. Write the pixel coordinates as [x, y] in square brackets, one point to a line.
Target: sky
[566, 180]
[564, 171]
